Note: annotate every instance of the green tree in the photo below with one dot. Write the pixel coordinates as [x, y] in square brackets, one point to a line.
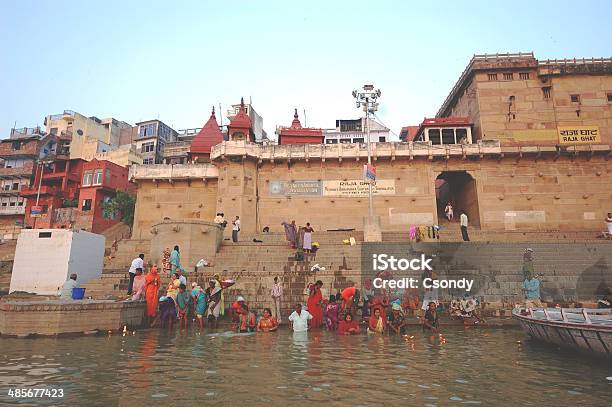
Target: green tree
[123, 204]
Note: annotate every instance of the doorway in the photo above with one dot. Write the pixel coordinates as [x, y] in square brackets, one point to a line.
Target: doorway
[458, 188]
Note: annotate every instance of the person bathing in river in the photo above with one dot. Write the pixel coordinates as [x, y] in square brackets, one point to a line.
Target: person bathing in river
[200, 306]
[332, 313]
[430, 320]
[214, 298]
[267, 323]
[348, 326]
[376, 324]
[396, 322]
[183, 300]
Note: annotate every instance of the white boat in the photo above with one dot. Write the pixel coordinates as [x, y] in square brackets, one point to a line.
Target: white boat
[584, 329]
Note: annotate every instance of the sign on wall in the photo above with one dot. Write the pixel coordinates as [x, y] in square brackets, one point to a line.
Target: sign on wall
[579, 135]
[348, 188]
[358, 188]
[307, 188]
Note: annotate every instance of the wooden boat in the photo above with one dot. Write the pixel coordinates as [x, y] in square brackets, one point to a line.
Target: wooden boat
[583, 329]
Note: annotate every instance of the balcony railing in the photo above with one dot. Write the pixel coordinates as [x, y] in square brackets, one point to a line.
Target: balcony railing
[68, 113]
[26, 132]
[12, 210]
[26, 171]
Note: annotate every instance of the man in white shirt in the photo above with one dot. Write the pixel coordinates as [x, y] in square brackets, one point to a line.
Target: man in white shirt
[299, 319]
[137, 263]
[277, 294]
[235, 229]
[464, 225]
[66, 291]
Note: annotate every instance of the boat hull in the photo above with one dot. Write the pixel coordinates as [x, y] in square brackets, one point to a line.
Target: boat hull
[584, 337]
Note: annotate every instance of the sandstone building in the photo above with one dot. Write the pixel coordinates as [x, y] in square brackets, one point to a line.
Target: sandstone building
[535, 157]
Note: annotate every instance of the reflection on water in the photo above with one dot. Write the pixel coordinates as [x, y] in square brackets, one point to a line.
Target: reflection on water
[480, 367]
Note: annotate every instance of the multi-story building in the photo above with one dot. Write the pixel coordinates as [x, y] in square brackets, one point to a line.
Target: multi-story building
[69, 194]
[354, 131]
[85, 133]
[296, 134]
[99, 183]
[519, 100]
[55, 186]
[19, 154]
[256, 120]
[151, 139]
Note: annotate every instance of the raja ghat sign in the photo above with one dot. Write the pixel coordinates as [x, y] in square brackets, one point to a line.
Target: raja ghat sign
[579, 135]
[348, 188]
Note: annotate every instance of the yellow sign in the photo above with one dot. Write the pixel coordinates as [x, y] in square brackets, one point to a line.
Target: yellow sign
[358, 188]
[579, 135]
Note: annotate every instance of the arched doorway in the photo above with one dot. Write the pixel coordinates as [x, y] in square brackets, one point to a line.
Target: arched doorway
[458, 188]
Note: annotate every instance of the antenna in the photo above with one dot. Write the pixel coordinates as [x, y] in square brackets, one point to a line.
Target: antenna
[221, 116]
[305, 123]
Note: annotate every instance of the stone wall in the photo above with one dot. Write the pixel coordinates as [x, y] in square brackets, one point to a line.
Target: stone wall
[177, 200]
[23, 318]
[197, 239]
[524, 191]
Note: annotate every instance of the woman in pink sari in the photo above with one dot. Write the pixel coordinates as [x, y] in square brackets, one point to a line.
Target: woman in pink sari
[332, 312]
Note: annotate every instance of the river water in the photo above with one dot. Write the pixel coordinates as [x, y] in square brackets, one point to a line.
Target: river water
[474, 367]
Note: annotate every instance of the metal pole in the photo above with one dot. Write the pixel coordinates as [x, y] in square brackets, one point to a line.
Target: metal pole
[42, 168]
[367, 124]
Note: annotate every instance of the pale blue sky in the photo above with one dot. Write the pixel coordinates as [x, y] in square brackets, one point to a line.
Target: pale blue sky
[138, 60]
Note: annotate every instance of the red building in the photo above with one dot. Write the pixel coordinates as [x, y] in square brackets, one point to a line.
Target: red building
[208, 137]
[99, 183]
[70, 194]
[296, 134]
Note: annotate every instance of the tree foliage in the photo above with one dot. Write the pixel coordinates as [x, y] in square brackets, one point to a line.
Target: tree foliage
[122, 204]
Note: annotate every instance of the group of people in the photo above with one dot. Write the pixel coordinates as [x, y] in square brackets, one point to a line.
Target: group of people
[340, 312]
[220, 220]
[299, 237]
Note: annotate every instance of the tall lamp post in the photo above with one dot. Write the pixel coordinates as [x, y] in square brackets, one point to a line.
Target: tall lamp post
[367, 100]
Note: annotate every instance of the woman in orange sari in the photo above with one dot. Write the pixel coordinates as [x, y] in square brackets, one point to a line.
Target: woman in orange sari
[314, 304]
[152, 282]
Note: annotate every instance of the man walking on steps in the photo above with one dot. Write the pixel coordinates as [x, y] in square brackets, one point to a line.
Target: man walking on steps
[464, 226]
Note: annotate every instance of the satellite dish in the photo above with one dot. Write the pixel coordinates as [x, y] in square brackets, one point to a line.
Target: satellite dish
[80, 132]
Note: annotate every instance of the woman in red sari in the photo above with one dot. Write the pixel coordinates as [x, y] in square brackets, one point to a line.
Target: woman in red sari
[152, 282]
[314, 305]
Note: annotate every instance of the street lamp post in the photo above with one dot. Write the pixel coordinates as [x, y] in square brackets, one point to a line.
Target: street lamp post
[367, 100]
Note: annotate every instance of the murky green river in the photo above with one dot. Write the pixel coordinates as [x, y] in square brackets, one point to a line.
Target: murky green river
[150, 368]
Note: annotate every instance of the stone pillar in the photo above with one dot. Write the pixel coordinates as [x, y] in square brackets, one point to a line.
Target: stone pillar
[371, 229]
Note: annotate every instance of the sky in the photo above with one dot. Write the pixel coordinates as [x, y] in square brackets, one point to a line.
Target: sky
[141, 60]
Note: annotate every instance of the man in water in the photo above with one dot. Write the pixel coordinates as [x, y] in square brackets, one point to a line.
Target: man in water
[277, 295]
[299, 319]
[66, 291]
[531, 288]
[430, 321]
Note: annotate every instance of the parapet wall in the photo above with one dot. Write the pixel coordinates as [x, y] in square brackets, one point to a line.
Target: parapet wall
[24, 318]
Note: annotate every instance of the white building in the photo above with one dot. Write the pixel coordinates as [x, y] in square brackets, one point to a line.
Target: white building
[354, 131]
[45, 258]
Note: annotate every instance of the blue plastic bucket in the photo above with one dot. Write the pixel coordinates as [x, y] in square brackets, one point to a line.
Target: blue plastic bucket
[78, 293]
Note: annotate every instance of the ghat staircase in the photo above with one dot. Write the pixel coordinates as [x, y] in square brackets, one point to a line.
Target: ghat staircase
[567, 260]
